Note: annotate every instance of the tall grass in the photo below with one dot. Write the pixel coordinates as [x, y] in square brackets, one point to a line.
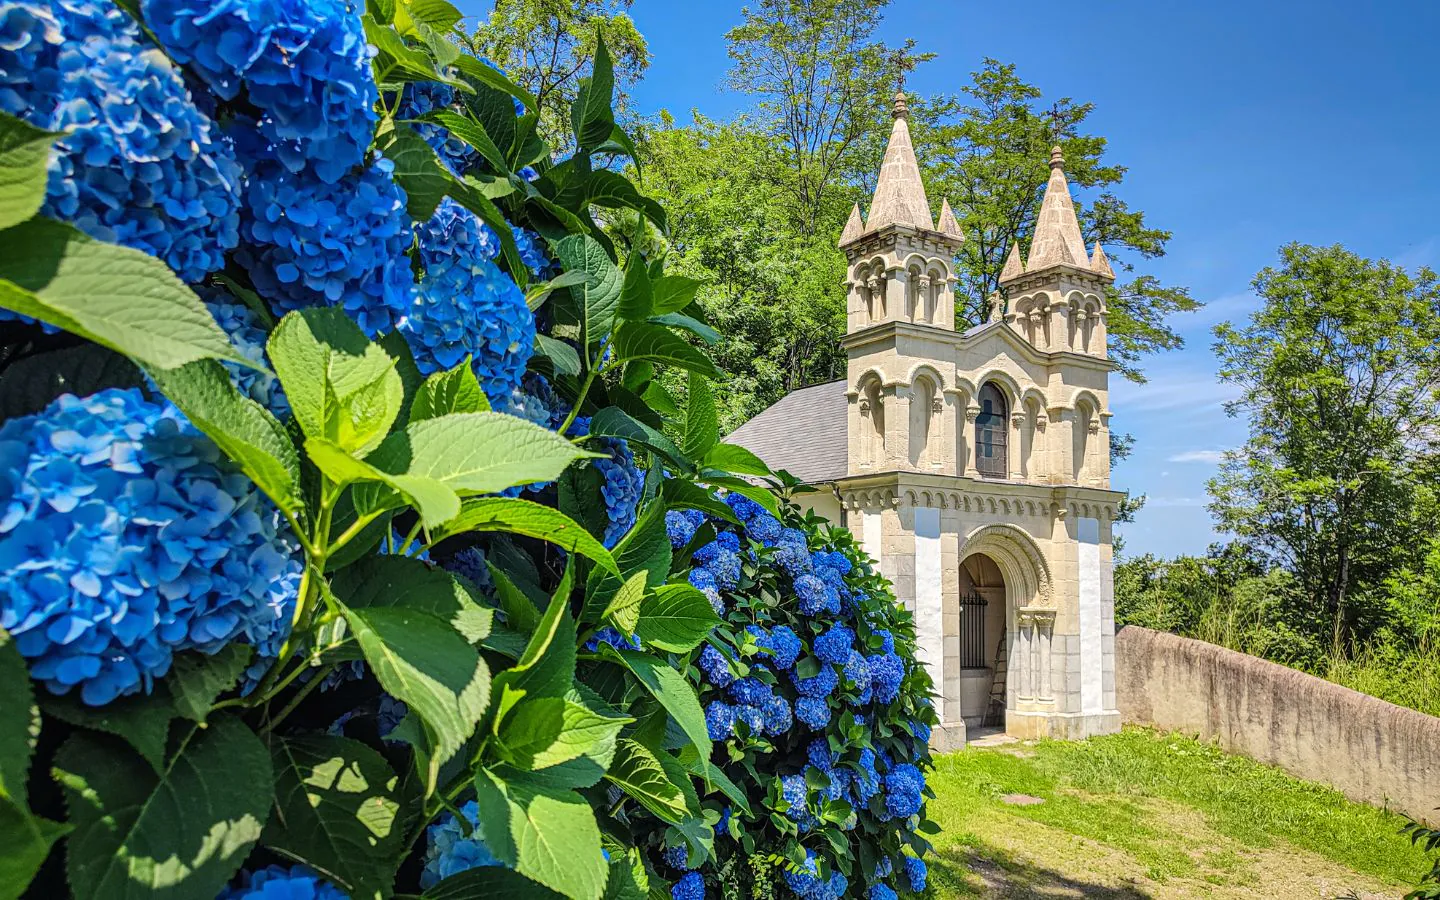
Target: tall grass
[1404, 678]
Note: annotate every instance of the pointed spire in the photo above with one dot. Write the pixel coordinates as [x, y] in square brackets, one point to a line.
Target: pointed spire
[854, 227]
[1100, 263]
[1057, 231]
[1014, 266]
[947, 224]
[899, 194]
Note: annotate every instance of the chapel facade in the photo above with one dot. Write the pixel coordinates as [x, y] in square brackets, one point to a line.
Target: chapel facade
[974, 465]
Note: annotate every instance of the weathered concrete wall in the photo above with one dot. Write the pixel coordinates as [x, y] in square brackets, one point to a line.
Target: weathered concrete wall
[1370, 750]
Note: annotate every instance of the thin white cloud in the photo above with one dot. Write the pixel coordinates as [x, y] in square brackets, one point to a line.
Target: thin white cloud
[1164, 392]
[1198, 456]
[1175, 501]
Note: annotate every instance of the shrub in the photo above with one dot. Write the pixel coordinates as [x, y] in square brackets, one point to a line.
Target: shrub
[349, 541]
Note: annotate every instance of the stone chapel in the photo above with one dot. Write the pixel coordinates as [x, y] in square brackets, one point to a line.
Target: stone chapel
[974, 465]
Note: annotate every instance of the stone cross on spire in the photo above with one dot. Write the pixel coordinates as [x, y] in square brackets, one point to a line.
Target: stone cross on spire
[899, 193]
[1057, 231]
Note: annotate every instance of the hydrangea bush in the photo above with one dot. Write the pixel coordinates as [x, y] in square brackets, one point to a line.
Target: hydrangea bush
[351, 544]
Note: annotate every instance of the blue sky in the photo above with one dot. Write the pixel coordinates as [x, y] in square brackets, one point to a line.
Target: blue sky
[1244, 126]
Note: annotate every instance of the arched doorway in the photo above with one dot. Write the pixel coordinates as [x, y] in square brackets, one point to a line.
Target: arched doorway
[977, 650]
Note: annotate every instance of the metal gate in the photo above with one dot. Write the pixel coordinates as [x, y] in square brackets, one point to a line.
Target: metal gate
[972, 631]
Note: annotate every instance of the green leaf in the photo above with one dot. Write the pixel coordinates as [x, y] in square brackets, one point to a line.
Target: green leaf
[530, 519]
[117, 297]
[143, 721]
[242, 428]
[24, 152]
[27, 841]
[591, 116]
[547, 731]
[398, 349]
[615, 422]
[417, 170]
[473, 453]
[674, 292]
[492, 883]
[676, 617]
[562, 356]
[623, 610]
[734, 458]
[714, 776]
[400, 582]
[637, 772]
[628, 878]
[337, 805]
[657, 344]
[19, 721]
[438, 14]
[453, 391]
[702, 423]
[29, 382]
[689, 323]
[537, 294]
[547, 667]
[614, 191]
[635, 300]
[599, 295]
[434, 501]
[178, 833]
[472, 133]
[196, 679]
[494, 78]
[420, 659]
[471, 196]
[674, 693]
[521, 614]
[547, 832]
[342, 387]
[645, 548]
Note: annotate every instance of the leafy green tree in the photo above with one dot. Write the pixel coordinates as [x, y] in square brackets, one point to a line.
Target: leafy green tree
[987, 151]
[547, 46]
[1339, 373]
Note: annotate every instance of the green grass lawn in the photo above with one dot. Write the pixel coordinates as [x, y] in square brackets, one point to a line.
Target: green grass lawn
[1142, 814]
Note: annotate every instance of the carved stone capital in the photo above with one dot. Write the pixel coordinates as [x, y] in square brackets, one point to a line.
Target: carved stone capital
[971, 412]
[937, 405]
[1017, 420]
[1041, 421]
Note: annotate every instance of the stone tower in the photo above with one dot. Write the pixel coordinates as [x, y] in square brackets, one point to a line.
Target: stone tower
[973, 465]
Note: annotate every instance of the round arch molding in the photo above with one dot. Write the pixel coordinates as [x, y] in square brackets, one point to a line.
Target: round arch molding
[1027, 576]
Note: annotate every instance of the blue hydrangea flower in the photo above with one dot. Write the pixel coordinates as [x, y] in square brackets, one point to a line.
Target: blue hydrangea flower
[795, 793]
[750, 690]
[916, 873]
[703, 580]
[834, 645]
[622, 488]
[885, 867]
[814, 712]
[677, 858]
[725, 566]
[390, 714]
[880, 892]
[719, 720]
[813, 595]
[781, 641]
[792, 554]
[534, 401]
[679, 528]
[867, 780]
[715, 667]
[141, 165]
[821, 684]
[448, 851]
[857, 672]
[752, 716]
[886, 673]
[903, 786]
[306, 242]
[922, 735]
[304, 64]
[470, 564]
[723, 826]
[744, 508]
[466, 305]
[279, 883]
[691, 886]
[125, 536]
[764, 528]
[421, 97]
[609, 636]
[247, 336]
[820, 755]
[778, 717]
[887, 639]
[531, 250]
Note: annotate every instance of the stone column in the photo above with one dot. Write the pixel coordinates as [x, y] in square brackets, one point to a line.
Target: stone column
[967, 440]
[897, 290]
[1016, 446]
[1023, 689]
[1046, 625]
[897, 430]
[1059, 326]
[1062, 445]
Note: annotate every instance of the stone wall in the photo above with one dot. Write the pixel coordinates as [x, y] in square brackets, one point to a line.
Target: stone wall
[1370, 750]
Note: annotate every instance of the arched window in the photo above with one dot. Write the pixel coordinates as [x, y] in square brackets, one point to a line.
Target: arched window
[872, 423]
[990, 433]
[922, 399]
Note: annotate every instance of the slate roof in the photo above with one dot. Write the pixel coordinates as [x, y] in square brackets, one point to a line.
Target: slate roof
[803, 433]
